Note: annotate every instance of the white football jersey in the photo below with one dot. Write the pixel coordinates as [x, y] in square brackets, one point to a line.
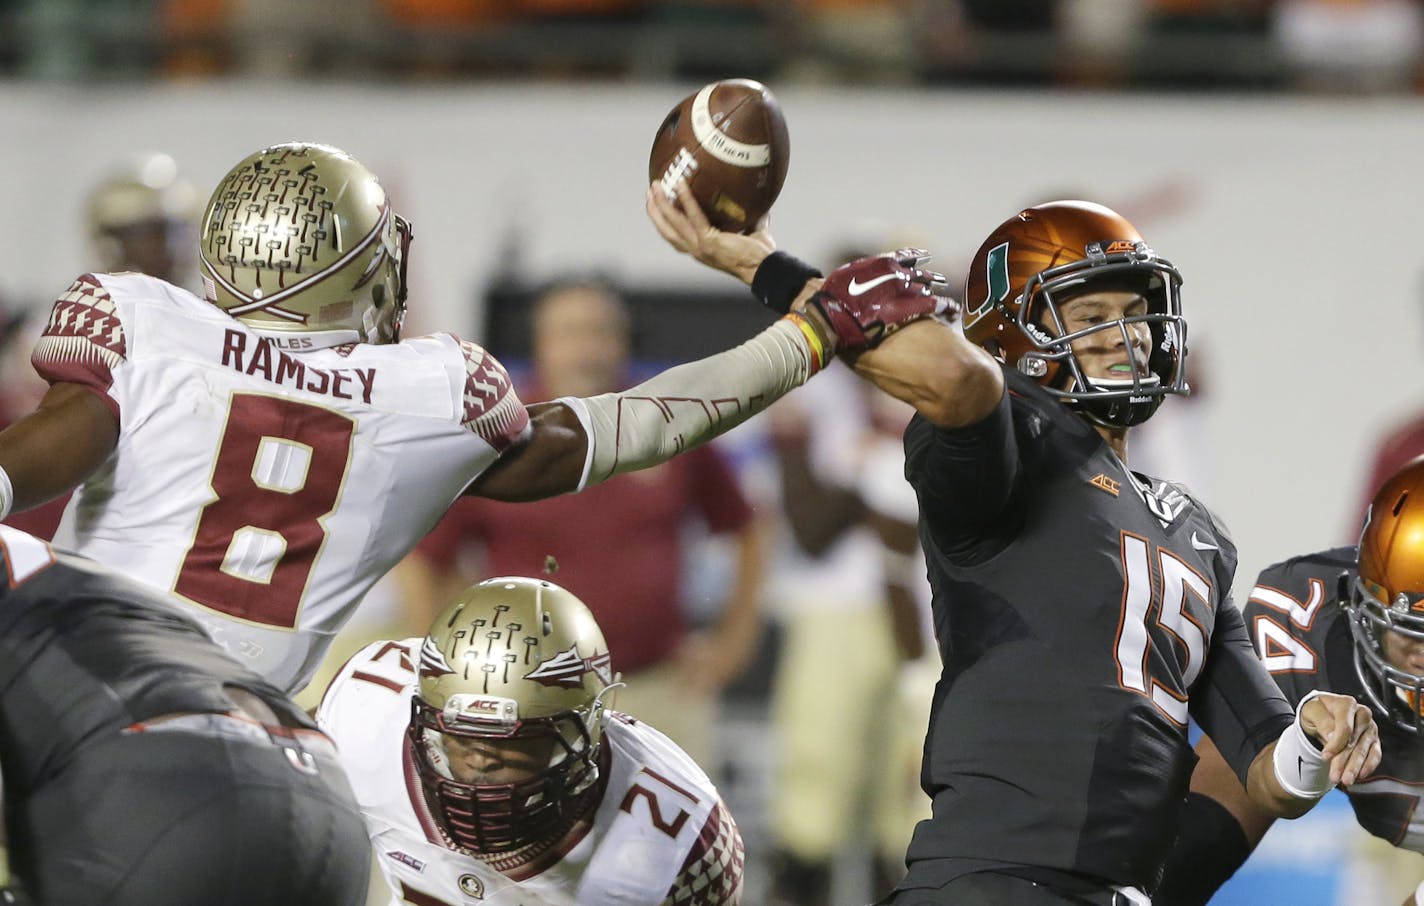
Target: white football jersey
[661, 833]
[263, 481]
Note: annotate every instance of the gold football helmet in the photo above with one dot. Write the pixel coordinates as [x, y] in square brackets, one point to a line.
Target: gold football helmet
[301, 238]
[520, 664]
[1387, 596]
[143, 217]
[1047, 254]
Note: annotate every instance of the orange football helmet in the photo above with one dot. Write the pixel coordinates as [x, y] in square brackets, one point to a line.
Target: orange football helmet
[1047, 254]
[1388, 595]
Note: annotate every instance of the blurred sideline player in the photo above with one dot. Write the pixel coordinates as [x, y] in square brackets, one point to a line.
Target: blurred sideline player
[1348, 620]
[581, 341]
[143, 218]
[268, 453]
[842, 814]
[489, 768]
[1056, 754]
[143, 766]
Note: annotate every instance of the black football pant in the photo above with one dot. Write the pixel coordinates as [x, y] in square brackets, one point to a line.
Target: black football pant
[178, 818]
[988, 888]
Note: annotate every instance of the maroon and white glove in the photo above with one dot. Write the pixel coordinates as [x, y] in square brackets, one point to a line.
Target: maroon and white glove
[868, 299]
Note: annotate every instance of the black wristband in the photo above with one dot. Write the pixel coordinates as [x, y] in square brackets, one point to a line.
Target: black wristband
[779, 280]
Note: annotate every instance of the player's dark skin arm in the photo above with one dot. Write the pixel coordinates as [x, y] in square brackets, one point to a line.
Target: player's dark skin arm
[549, 462]
[56, 447]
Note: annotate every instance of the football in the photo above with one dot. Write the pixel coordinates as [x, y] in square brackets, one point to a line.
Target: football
[729, 141]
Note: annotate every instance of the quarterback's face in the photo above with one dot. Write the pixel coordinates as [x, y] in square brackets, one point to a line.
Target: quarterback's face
[1104, 354]
[498, 761]
[1403, 652]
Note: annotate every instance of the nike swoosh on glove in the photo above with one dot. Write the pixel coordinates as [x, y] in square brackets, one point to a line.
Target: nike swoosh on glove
[866, 300]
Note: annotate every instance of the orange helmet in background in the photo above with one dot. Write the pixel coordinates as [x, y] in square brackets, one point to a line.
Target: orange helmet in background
[1049, 253]
[1388, 595]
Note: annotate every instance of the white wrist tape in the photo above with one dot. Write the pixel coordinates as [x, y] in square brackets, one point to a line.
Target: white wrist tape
[7, 493]
[1300, 768]
[1419, 894]
[693, 403]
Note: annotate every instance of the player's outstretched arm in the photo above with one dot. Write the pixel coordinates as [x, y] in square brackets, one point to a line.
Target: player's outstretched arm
[577, 442]
[55, 448]
[901, 347]
[1333, 740]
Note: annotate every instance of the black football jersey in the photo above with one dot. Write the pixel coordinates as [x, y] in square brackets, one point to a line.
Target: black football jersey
[1082, 612]
[84, 652]
[1303, 637]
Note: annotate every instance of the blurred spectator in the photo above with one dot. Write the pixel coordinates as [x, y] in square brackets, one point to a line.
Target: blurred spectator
[852, 598]
[853, 40]
[266, 38]
[1010, 15]
[1100, 38]
[620, 545]
[75, 40]
[144, 217]
[1351, 45]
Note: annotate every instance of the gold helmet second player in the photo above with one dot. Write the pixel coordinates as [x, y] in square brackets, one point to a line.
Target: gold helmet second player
[301, 238]
[508, 716]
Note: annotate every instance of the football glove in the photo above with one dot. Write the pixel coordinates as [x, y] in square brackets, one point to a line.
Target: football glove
[868, 299]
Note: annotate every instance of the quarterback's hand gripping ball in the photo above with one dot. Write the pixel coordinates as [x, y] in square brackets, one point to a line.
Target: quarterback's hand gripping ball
[868, 299]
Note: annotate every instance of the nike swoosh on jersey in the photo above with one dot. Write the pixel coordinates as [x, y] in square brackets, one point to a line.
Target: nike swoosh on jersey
[857, 288]
[1201, 545]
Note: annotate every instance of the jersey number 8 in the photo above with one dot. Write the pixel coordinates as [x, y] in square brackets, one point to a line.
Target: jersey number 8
[279, 473]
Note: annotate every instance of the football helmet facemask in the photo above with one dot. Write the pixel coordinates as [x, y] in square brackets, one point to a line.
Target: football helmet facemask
[521, 662]
[301, 238]
[1048, 254]
[1387, 595]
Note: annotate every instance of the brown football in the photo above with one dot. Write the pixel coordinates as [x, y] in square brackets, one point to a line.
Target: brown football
[729, 141]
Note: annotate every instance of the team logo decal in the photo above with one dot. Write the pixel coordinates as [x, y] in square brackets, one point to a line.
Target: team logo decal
[432, 660]
[567, 669]
[472, 886]
[1165, 502]
[997, 267]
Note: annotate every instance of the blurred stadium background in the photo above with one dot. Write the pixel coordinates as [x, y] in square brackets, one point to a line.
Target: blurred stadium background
[1270, 149]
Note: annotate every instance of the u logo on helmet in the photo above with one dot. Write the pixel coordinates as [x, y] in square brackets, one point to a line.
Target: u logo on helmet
[996, 271]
